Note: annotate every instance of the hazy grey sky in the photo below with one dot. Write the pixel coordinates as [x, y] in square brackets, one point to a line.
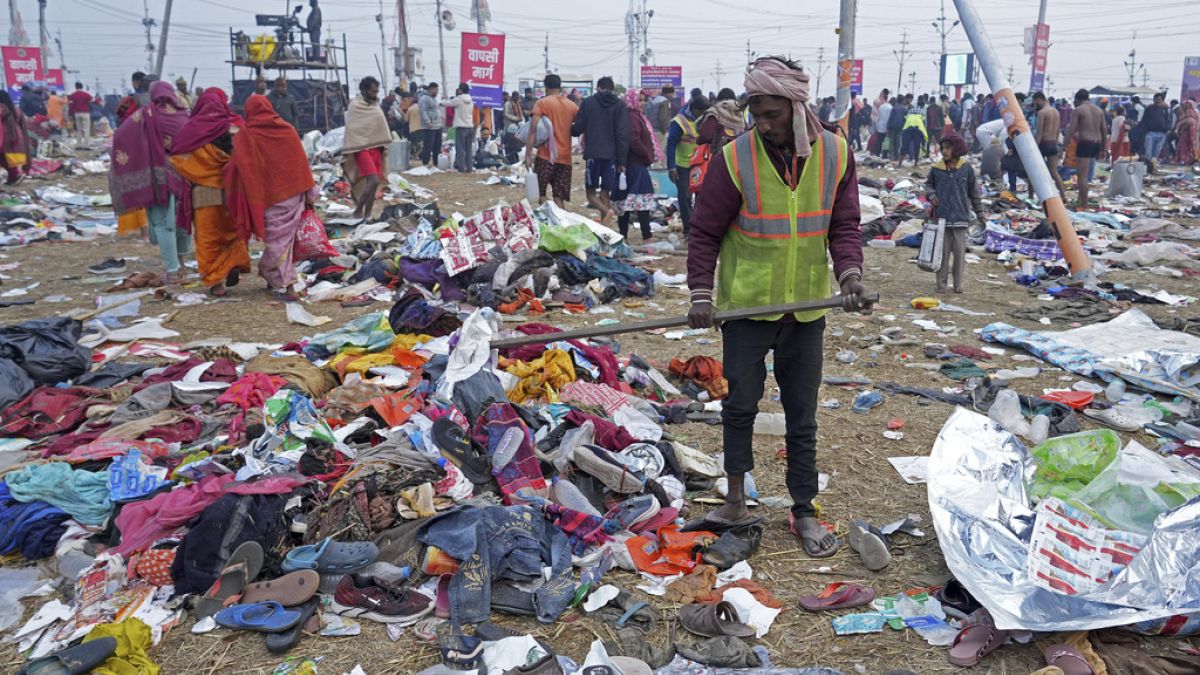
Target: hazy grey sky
[1089, 38]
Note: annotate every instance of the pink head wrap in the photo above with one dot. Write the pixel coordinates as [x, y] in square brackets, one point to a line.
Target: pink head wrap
[770, 76]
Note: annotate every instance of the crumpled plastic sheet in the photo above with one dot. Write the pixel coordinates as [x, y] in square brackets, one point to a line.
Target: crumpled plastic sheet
[978, 475]
[1130, 346]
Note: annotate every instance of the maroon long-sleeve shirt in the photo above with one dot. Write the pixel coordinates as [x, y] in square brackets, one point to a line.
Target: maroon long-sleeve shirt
[717, 206]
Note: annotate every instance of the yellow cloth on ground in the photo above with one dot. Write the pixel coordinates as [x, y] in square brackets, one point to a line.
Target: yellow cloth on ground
[541, 377]
[133, 640]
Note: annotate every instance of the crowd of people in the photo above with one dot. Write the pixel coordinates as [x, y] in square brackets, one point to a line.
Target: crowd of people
[1069, 132]
[190, 170]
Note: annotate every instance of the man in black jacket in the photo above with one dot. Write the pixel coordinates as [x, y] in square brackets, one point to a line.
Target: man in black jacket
[1156, 123]
[604, 124]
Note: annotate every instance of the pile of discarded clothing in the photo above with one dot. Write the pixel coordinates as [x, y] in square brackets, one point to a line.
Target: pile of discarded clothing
[394, 469]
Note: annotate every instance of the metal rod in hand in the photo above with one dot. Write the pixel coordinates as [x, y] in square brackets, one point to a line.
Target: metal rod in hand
[675, 321]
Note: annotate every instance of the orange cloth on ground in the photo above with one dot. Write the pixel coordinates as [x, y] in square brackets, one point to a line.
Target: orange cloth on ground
[756, 589]
[671, 552]
[219, 248]
[704, 370]
[131, 222]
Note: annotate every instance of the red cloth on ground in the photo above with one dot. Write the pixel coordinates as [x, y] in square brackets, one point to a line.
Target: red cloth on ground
[46, 411]
[369, 162]
[252, 183]
[222, 370]
[608, 435]
[249, 392]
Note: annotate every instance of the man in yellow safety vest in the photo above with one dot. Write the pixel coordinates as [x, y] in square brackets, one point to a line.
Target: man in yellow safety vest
[681, 142]
[777, 200]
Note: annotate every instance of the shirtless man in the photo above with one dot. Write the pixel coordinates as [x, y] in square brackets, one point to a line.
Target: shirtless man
[1090, 129]
[1049, 123]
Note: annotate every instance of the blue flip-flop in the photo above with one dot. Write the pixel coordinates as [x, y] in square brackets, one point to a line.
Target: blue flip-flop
[264, 617]
[330, 557]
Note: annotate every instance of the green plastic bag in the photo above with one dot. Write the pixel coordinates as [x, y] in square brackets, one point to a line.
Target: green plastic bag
[573, 239]
[1066, 464]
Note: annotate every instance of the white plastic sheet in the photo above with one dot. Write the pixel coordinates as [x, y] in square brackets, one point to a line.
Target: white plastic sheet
[978, 475]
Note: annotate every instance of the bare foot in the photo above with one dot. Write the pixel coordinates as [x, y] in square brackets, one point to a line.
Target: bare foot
[730, 512]
[218, 291]
[817, 541]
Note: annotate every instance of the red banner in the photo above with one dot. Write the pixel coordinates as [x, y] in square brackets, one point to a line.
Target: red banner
[1041, 45]
[483, 67]
[54, 80]
[22, 65]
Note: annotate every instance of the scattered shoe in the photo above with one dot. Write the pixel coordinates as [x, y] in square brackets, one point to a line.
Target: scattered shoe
[109, 266]
[734, 546]
[838, 595]
[635, 510]
[1111, 417]
[596, 461]
[714, 620]
[278, 643]
[263, 617]
[330, 556]
[870, 544]
[81, 658]
[360, 597]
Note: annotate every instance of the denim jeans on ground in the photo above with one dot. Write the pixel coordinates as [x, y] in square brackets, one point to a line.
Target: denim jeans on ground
[501, 542]
[1154, 143]
[798, 361]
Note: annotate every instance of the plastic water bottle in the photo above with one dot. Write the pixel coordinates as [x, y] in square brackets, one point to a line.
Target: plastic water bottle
[1006, 411]
[770, 424]
[622, 183]
[564, 493]
[1039, 429]
[1115, 390]
[865, 401]
[532, 191]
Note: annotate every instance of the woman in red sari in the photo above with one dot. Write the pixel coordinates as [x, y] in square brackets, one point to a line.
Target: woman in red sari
[268, 187]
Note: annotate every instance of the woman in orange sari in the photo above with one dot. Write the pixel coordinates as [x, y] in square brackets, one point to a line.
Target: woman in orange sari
[200, 153]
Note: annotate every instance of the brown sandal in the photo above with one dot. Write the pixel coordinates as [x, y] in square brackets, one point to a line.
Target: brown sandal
[288, 590]
[714, 620]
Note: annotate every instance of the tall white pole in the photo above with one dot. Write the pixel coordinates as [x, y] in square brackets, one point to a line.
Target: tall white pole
[1022, 138]
[442, 48]
[845, 58]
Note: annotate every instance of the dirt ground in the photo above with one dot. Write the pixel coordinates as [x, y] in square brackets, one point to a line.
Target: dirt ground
[852, 448]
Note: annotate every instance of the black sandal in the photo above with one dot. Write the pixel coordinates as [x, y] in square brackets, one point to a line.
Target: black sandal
[734, 546]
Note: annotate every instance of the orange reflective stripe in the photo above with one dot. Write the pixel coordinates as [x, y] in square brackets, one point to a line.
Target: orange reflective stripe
[760, 235]
[820, 212]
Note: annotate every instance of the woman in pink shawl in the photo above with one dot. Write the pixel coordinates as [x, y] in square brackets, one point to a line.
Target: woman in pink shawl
[141, 177]
[634, 192]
